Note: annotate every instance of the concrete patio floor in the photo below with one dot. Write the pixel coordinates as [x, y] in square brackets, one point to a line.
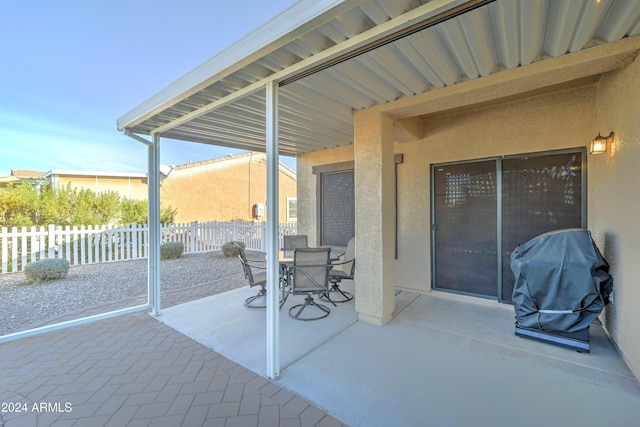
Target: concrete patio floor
[444, 360]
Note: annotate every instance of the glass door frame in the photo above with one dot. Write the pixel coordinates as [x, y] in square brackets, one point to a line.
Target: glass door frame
[498, 161]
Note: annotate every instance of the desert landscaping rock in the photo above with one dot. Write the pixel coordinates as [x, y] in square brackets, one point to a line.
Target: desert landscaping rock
[91, 285]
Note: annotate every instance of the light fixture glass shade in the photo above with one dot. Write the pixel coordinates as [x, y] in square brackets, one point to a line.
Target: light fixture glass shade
[599, 144]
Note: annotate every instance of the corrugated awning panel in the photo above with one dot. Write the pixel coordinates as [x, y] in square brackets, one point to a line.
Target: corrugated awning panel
[317, 111]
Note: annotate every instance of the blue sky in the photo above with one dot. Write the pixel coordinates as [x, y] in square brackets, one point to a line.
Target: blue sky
[70, 68]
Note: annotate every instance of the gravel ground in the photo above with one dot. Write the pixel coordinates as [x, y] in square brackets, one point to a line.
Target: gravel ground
[97, 284]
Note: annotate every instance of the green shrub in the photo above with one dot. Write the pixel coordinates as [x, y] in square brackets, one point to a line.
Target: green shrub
[46, 269]
[230, 250]
[171, 250]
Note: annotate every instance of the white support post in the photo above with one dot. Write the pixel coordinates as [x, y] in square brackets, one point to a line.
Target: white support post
[153, 182]
[273, 267]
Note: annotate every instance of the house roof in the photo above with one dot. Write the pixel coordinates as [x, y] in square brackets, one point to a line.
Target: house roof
[22, 173]
[70, 172]
[332, 58]
[232, 158]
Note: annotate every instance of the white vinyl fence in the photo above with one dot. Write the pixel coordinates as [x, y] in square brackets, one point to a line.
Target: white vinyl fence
[95, 244]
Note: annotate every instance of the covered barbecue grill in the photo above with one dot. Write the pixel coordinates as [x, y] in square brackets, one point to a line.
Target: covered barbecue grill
[562, 283]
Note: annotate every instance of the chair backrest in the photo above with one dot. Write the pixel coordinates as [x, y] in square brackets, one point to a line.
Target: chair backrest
[349, 260]
[246, 268]
[311, 270]
[294, 242]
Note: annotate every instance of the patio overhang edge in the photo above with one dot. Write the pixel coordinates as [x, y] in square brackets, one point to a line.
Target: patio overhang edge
[193, 82]
[279, 30]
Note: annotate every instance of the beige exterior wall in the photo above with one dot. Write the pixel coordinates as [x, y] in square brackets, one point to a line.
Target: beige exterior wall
[307, 183]
[225, 190]
[374, 216]
[546, 122]
[614, 204]
[562, 119]
[130, 187]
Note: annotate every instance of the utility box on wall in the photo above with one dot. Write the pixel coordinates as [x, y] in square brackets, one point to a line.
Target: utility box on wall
[258, 210]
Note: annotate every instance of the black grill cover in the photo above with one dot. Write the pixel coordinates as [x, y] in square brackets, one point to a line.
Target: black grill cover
[562, 281]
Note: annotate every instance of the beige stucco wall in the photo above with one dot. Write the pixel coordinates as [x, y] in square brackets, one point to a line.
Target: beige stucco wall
[307, 182]
[567, 118]
[374, 216]
[545, 122]
[614, 205]
[130, 187]
[224, 191]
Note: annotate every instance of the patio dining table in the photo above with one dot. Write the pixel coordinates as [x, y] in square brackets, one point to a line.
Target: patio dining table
[286, 259]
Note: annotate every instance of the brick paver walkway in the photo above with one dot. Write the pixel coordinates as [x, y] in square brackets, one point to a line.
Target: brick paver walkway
[133, 370]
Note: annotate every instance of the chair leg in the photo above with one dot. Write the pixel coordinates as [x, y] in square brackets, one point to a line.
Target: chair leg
[261, 294]
[335, 287]
[309, 301]
[286, 290]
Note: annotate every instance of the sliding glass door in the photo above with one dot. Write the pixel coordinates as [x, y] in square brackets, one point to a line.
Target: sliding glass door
[483, 209]
[465, 227]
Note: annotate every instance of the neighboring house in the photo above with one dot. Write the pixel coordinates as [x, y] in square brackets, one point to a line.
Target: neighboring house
[132, 185]
[18, 175]
[26, 174]
[440, 133]
[227, 189]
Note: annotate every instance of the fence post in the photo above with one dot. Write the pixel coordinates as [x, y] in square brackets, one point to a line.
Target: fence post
[4, 244]
[76, 253]
[14, 249]
[134, 241]
[90, 244]
[36, 238]
[236, 232]
[51, 240]
[192, 237]
[67, 246]
[24, 248]
[128, 238]
[83, 245]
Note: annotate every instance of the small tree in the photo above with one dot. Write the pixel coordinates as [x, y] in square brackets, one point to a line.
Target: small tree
[14, 209]
[133, 211]
[137, 211]
[26, 204]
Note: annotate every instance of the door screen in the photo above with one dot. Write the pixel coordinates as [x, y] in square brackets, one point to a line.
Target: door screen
[465, 228]
[536, 194]
[539, 194]
[337, 212]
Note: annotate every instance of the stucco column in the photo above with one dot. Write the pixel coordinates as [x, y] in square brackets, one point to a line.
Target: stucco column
[374, 214]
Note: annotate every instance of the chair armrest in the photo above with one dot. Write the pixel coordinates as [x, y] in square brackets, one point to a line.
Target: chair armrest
[253, 263]
[293, 266]
[343, 262]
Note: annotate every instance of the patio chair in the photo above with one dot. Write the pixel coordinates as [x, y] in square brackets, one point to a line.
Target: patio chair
[309, 275]
[255, 279]
[343, 270]
[295, 241]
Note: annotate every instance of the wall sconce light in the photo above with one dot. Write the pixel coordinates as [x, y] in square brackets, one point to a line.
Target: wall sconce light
[600, 143]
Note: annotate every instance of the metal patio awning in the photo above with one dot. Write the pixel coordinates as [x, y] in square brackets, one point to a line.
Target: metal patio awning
[293, 85]
[333, 58]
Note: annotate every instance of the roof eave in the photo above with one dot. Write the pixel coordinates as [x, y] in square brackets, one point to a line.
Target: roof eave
[298, 19]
